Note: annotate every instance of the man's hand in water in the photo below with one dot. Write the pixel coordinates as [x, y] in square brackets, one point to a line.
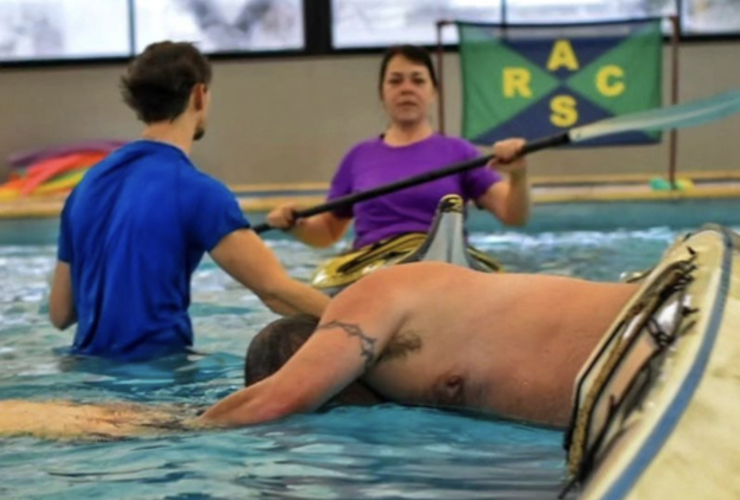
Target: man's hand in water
[90, 421]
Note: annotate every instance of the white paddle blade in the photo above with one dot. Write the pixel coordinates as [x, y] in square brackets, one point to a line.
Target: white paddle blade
[678, 116]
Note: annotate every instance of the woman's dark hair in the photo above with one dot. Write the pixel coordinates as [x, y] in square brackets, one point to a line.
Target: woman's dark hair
[158, 83]
[414, 54]
[275, 344]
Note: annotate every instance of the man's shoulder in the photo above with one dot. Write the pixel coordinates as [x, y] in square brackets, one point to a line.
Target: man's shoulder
[198, 176]
[205, 195]
[396, 278]
[409, 276]
[197, 179]
[142, 158]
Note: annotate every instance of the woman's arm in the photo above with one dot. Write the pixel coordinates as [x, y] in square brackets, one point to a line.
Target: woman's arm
[508, 200]
[319, 231]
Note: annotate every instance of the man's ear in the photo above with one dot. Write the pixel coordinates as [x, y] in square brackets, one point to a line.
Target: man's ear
[199, 96]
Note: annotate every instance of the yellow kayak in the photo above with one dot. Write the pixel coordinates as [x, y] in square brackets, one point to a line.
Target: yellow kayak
[445, 242]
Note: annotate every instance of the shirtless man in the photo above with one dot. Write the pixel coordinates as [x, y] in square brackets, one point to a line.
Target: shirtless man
[434, 334]
[429, 334]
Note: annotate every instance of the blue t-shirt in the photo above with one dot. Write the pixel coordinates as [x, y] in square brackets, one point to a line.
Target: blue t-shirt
[133, 231]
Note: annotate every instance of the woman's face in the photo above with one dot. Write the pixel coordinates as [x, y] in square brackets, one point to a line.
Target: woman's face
[408, 91]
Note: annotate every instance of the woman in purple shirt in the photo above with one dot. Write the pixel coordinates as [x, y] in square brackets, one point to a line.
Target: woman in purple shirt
[408, 89]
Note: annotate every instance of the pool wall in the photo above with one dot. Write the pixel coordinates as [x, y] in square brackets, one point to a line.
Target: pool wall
[584, 216]
[291, 120]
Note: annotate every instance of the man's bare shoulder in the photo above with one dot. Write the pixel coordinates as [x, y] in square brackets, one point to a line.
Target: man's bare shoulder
[412, 274]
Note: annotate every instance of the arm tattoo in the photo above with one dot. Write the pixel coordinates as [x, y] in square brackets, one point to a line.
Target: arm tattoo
[367, 344]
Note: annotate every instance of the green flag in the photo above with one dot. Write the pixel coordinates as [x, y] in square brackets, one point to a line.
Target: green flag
[532, 81]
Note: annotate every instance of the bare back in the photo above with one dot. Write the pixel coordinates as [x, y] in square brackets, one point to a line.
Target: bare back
[508, 344]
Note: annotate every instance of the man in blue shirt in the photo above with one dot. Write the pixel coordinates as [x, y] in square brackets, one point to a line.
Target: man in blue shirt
[136, 227]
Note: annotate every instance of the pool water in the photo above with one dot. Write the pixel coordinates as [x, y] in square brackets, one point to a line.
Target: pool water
[349, 453]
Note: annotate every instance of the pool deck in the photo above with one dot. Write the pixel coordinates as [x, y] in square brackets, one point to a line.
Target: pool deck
[561, 189]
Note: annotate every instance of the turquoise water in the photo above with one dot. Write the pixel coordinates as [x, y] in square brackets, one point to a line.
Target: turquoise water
[350, 453]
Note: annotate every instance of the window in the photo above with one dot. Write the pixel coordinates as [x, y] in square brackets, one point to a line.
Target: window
[706, 17]
[378, 23]
[583, 11]
[222, 25]
[63, 29]
[58, 30]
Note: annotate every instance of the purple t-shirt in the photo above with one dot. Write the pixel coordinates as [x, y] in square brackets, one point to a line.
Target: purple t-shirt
[373, 163]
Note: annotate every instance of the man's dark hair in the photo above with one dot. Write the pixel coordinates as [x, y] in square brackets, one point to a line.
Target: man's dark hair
[275, 344]
[158, 83]
[414, 54]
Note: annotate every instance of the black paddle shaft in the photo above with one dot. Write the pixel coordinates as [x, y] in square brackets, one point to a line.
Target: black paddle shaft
[344, 201]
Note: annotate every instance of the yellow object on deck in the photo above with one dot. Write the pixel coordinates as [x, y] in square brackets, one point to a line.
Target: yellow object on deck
[661, 184]
[445, 242]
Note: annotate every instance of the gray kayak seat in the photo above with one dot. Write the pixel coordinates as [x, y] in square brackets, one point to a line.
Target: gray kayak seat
[446, 240]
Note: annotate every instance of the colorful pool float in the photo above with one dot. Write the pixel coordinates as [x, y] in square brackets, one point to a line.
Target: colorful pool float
[49, 175]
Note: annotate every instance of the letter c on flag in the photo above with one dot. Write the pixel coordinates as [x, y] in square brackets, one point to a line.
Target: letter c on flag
[610, 88]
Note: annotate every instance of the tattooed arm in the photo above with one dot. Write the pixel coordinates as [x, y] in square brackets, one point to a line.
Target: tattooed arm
[351, 335]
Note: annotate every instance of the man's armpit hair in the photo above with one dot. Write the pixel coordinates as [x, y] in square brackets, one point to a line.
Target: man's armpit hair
[400, 346]
[367, 343]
